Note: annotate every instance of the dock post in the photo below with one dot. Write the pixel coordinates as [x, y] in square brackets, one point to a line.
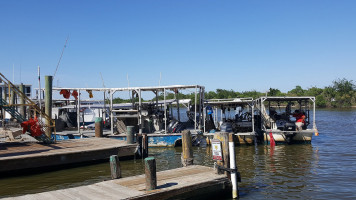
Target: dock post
[22, 101]
[130, 134]
[224, 138]
[235, 189]
[99, 127]
[2, 96]
[187, 150]
[48, 103]
[144, 145]
[115, 167]
[150, 172]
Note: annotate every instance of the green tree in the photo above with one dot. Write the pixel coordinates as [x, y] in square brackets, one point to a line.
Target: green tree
[274, 92]
[297, 91]
[313, 91]
[254, 94]
[320, 101]
[329, 94]
[344, 92]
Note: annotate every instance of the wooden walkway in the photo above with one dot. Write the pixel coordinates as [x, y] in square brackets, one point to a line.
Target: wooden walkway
[18, 156]
[176, 183]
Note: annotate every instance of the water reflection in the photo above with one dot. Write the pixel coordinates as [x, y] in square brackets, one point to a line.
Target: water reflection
[273, 171]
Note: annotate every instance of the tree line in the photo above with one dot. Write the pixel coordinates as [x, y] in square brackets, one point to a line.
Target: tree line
[340, 94]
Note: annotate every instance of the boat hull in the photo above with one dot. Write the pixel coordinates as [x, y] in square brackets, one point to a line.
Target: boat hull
[284, 137]
[157, 140]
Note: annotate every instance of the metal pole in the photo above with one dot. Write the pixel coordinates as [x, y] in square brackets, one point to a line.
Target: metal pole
[165, 111]
[253, 122]
[39, 91]
[204, 110]
[195, 109]
[202, 97]
[253, 117]
[177, 98]
[200, 108]
[233, 166]
[139, 111]
[111, 113]
[157, 99]
[78, 116]
[314, 113]
[3, 94]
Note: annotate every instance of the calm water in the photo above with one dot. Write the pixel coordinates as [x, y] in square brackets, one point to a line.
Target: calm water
[325, 169]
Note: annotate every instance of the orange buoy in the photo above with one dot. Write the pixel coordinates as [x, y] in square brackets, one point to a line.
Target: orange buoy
[316, 132]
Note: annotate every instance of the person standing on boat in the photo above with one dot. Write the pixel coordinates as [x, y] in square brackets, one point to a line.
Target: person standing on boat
[299, 119]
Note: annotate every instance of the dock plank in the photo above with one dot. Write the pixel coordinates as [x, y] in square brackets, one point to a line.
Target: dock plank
[17, 156]
[185, 180]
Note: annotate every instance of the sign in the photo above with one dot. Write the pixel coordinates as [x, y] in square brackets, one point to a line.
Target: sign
[216, 144]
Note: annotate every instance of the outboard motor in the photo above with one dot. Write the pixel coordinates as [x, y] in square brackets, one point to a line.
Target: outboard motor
[289, 126]
[226, 127]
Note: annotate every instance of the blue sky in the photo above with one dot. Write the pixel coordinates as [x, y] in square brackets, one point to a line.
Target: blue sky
[239, 45]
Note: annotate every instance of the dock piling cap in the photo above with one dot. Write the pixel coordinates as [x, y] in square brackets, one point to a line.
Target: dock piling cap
[149, 158]
[98, 119]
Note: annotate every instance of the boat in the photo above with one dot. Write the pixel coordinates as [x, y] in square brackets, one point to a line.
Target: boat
[276, 119]
[66, 115]
[230, 115]
[160, 119]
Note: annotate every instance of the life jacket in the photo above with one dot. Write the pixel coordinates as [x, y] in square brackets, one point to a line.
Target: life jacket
[32, 126]
[75, 94]
[65, 93]
[90, 93]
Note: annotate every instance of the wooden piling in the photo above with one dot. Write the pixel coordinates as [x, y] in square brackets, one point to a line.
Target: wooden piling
[12, 97]
[187, 149]
[224, 138]
[48, 103]
[150, 172]
[144, 145]
[130, 134]
[99, 127]
[115, 167]
[22, 101]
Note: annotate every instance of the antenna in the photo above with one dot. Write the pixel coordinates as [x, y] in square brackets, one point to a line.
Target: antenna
[60, 58]
[102, 80]
[20, 74]
[104, 118]
[160, 78]
[128, 84]
[13, 73]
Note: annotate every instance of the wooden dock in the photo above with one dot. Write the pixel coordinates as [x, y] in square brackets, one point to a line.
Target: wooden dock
[193, 181]
[19, 156]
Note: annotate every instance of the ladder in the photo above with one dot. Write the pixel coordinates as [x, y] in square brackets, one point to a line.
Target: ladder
[36, 111]
[11, 109]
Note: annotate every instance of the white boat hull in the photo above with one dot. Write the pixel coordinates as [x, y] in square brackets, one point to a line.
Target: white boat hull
[304, 136]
